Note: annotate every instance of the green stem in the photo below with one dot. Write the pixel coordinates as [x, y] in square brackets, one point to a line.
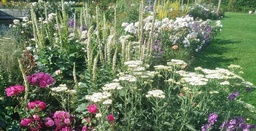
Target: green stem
[25, 81]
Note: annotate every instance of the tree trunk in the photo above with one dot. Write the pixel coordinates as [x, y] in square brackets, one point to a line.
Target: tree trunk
[218, 8]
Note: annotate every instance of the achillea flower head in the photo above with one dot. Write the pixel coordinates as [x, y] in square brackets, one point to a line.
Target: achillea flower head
[156, 94]
[98, 96]
[112, 86]
[14, 90]
[60, 88]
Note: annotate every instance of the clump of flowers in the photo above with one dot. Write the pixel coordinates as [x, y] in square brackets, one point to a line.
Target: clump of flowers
[205, 11]
[211, 120]
[98, 96]
[173, 34]
[62, 120]
[41, 79]
[156, 94]
[14, 90]
[236, 124]
[34, 123]
[37, 105]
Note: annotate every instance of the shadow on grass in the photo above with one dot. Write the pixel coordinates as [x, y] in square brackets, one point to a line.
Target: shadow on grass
[212, 56]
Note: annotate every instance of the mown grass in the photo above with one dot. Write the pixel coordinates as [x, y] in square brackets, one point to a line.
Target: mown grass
[236, 44]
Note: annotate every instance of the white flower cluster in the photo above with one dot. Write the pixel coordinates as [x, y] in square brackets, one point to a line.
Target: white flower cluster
[225, 83]
[98, 96]
[162, 67]
[63, 88]
[177, 63]
[60, 88]
[192, 78]
[233, 66]
[196, 31]
[220, 73]
[129, 78]
[156, 94]
[112, 86]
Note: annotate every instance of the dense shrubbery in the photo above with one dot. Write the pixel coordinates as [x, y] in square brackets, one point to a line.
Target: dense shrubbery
[237, 5]
[85, 73]
[205, 11]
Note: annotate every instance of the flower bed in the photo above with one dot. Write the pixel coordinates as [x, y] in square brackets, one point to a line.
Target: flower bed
[83, 73]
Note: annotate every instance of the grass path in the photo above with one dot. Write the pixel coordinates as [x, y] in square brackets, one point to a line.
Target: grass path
[236, 44]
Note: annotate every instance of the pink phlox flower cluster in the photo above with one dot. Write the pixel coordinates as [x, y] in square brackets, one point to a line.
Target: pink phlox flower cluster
[62, 120]
[14, 90]
[42, 79]
[36, 105]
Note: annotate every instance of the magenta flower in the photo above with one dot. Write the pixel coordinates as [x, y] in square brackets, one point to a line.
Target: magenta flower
[92, 108]
[37, 104]
[111, 118]
[41, 79]
[84, 128]
[14, 90]
[49, 122]
[25, 122]
[62, 119]
[36, 117]
[66, 129]
[31, 105]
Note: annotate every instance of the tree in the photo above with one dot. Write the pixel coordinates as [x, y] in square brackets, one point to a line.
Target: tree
[218, 8]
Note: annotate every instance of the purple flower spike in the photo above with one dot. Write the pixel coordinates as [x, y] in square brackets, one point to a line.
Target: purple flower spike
[205, 127]
[212, 118]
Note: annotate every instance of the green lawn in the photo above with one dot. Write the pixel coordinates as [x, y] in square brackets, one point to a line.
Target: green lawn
[236, 44]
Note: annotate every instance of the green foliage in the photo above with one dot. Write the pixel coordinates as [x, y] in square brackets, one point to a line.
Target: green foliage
[238, 5]
[118, 71]
[205, 11]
